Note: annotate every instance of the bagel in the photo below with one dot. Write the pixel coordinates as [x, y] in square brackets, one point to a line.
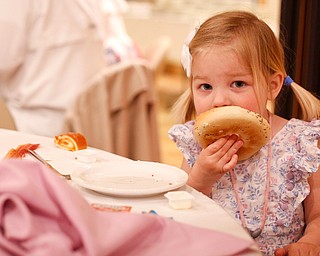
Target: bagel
[218, 122]
[71, 141]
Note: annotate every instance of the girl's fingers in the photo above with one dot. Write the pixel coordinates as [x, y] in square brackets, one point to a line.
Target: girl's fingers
[232, 150]
[229, 165]
[220, 157]
[217, 145]
[225, 147]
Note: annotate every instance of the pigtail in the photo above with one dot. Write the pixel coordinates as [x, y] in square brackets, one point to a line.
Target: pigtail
[183, 109]
[310, 104]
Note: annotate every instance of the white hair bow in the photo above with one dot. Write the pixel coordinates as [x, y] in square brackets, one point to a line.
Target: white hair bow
[186, 57]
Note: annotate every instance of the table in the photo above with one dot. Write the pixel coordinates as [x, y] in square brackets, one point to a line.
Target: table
[204, 213]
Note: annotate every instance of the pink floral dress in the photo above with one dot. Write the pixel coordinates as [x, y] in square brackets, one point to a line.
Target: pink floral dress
[295, 156]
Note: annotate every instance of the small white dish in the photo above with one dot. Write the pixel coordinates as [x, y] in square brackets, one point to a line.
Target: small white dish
[179, 199]
[86, 155]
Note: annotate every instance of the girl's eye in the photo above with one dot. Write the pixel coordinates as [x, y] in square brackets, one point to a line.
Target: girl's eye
[206, 87]
[238, 84]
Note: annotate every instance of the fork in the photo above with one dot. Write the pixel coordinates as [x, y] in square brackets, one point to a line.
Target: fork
[42, 160]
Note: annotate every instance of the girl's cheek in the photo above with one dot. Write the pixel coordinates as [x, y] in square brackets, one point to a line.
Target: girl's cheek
[202, 106]
[203, 101]
[198, 104]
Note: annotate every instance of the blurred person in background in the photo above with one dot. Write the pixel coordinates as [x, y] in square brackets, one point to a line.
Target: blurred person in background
[118, 44]
[49, 50]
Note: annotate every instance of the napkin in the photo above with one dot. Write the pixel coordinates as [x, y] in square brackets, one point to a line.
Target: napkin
[41, 214]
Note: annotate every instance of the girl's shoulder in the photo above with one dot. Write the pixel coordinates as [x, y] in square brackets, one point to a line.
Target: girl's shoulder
[298, 140]
[299, 127]
[297, 122]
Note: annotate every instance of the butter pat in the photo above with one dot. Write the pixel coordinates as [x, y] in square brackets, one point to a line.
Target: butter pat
[179, 199]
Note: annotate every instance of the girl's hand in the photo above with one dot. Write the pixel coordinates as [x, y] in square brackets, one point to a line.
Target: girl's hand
[298, 249]
[213, 162]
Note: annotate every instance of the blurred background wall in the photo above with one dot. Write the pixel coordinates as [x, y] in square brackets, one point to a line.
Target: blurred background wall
[145, 20]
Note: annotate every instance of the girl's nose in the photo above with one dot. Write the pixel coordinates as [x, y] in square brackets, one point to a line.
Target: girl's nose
[220, 98]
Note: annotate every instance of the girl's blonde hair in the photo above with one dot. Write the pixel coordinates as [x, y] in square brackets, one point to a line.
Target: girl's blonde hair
[257, 47]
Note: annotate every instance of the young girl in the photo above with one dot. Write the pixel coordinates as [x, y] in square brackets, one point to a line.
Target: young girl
[235, 59]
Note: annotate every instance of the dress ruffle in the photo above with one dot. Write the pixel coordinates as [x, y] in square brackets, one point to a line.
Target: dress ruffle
[183, 136]
[307, 157]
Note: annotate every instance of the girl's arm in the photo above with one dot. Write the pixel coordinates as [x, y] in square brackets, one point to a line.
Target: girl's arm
[203, 187]
[312, 211]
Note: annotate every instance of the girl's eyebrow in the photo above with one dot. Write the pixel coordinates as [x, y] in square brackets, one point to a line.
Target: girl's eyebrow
[242, 73]
[231, 74]
[199, 77]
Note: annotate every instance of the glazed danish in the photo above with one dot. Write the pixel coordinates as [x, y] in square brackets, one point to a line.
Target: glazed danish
[71, 141]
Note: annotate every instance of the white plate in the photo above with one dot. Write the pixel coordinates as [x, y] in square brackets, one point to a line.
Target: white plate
[130, 178]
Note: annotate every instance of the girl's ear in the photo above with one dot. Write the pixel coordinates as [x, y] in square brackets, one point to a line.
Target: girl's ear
[275, 82]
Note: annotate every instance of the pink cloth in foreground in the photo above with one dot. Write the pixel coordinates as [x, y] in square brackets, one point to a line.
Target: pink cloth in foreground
[40, 214]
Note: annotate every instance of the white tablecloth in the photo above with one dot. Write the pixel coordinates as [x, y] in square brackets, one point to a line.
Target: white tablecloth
[204, 213]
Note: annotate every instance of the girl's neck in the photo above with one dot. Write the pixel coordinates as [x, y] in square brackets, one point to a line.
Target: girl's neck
[277, 123]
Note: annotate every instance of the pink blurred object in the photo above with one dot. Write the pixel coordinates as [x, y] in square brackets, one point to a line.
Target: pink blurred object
[40, 214]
